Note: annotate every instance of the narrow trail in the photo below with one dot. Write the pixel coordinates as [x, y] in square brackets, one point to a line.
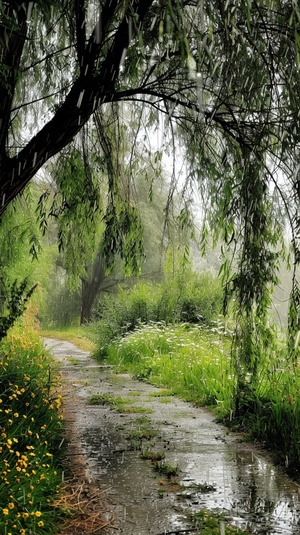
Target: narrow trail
[215, 469]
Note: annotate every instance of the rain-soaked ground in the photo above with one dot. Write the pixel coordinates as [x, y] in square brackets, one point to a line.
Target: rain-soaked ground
[216, 470]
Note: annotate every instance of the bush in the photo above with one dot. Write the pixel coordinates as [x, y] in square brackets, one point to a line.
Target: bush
[189, 297]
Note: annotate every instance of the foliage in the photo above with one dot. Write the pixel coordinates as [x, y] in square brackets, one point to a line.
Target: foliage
[59, 306]
[20, 244]
[221, 81]
[190, 360]
[31, 433]
[186, 297]
[12, 303]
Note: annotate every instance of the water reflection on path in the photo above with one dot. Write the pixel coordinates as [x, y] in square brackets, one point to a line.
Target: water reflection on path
[247, 485]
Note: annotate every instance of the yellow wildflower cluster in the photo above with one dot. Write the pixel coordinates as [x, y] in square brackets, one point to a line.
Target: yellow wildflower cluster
[30, 417]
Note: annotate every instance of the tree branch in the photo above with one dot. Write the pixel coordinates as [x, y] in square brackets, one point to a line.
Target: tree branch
[88, 92]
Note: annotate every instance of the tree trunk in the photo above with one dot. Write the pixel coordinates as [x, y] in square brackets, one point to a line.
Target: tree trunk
[91, 288]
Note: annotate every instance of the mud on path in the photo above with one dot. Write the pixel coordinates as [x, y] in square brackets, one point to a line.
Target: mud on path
[215, 469]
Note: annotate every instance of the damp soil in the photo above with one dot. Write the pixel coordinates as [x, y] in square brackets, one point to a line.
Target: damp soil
[215, 469]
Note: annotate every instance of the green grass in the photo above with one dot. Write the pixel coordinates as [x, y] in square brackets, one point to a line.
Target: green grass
[79, 336]
[161, 393]
[141, 434]
[166, 469]
[150, 455]
[31, 437]
[194, 363]
[214, 524]
[117, 403]
[114, 402]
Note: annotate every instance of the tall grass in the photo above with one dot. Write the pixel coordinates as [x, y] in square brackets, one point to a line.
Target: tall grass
[270, 409]
[31, 432]
[192, 361]
[189, 298]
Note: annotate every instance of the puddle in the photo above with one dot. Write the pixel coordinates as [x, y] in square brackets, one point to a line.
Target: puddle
[241, 481]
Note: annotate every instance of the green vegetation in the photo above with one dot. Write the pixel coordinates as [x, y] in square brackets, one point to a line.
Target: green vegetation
[142, 433]
[215, 524]
[186, 296]
[165, 468]
[117, 403]
[150, 455]
[190, 360]
[31, 437]
[196, 362]
[106, 399]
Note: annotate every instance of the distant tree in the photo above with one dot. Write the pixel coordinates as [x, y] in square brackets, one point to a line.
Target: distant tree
[130, 230]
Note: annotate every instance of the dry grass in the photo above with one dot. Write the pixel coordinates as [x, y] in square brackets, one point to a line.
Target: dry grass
[86, 505]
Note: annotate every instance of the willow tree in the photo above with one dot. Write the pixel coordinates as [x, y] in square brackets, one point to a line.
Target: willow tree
[225, 78]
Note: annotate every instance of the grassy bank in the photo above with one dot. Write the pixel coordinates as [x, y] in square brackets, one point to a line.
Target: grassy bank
[31, 434]
[194, 363]
[191, 361]
[76, 335]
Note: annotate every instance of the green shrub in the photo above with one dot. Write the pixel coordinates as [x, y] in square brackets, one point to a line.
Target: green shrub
[188, 297]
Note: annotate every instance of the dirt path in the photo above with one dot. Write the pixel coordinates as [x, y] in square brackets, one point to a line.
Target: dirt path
[215, 470]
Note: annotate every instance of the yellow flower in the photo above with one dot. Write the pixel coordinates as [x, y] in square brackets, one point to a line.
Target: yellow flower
[16, 414]
[38, 513]
[11, 505]
[5, 511]
[25, 515]
[40, 524]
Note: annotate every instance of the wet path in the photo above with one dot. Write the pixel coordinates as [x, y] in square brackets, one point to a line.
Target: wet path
[240, 480]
